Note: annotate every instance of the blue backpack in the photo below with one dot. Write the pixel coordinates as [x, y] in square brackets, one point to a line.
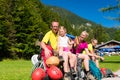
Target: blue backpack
[95, 70]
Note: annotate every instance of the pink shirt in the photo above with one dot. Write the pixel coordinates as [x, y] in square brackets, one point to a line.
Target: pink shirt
[81, 47]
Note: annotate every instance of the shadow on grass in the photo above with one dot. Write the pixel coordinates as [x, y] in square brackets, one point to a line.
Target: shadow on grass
[110, 62]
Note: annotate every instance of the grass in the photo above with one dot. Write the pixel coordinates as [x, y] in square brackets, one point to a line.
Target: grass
[15, 70]
[21, 69]
[111, 62]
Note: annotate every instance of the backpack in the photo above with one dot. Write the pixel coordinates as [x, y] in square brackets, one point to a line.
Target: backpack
[106, 72]
[95, 70]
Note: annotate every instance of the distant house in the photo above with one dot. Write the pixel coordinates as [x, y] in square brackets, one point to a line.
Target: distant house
[110, 46]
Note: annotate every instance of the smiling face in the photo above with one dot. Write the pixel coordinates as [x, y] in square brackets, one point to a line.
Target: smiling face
[55, 27]
[62, 31]
[94, 42]
[83, 35]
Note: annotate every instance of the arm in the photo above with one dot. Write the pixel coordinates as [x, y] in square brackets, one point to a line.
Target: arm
[59, 48]
[91, 50]
[88, 53]
[70, 43]
[46, 50]
[43, 45]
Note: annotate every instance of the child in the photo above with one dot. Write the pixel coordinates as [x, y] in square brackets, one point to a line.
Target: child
[64, 43]
[64, 47]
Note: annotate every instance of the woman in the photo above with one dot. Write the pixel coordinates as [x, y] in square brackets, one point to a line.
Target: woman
[80, 46]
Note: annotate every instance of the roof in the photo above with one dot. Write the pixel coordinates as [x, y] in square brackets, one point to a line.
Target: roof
[111, 41]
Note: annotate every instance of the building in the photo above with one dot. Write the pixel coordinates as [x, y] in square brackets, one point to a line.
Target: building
[112, 46]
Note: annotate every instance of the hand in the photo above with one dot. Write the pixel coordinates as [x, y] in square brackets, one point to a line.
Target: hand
[47, 53]
[102, 58]
[72, 42]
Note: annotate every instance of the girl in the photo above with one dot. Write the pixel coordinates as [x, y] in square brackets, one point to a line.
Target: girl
[64, 47]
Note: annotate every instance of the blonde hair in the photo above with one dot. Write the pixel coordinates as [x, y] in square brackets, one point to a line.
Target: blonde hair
[62, 27]
[94, 40]
[85, 32]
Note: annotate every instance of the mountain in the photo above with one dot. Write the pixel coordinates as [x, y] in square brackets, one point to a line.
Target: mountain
[71, 17]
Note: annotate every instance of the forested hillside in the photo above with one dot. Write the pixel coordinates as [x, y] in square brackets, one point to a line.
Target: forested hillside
[21, 22]
[72, 18]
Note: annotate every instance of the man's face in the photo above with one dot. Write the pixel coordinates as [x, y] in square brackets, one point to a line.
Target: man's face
[55, 27]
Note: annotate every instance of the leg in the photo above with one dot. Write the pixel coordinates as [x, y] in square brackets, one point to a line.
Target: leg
[86, 65]
[95, 59]
[97, 62]
[73, 61]
[65, 64]
[67, 74]
[85, 61]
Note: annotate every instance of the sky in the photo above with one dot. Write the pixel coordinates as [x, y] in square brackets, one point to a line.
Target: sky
[88, 9]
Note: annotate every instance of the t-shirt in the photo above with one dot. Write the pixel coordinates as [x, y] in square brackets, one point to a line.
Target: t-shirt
[81, 47]
[90, 48]
[63, 41]
[51, 38]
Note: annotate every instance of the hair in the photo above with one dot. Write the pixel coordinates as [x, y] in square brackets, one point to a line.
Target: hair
[62, 27]
[92, 40]
[85, 33]
[50, 25]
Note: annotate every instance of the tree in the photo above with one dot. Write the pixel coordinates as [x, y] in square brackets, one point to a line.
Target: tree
[117, 35]
[21, 22]
[100, 34]
[113, 8]
[7, 29]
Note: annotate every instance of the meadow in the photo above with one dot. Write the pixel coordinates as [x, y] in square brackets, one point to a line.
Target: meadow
[21, 69]
[111, 62]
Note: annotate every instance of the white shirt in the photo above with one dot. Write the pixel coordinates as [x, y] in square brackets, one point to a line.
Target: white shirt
[63, 41]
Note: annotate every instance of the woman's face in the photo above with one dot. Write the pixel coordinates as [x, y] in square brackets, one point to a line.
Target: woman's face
[82, 36]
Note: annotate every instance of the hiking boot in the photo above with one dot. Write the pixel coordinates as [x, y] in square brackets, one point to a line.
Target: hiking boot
[90, 76]
[67, 77]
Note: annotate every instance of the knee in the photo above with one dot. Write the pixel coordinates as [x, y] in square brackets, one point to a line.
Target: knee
[86, 57]
[74, 57]
[65, 57]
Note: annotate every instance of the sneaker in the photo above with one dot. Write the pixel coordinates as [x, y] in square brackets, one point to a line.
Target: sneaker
[90, 76]
[74, 73]
[67, 77]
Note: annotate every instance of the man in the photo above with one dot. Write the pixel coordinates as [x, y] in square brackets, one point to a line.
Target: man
[51, 37]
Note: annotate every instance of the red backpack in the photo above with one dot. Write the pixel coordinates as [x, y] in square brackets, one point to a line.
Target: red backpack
[106, 72]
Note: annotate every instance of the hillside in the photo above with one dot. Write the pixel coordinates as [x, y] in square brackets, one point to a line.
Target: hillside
[71, 17]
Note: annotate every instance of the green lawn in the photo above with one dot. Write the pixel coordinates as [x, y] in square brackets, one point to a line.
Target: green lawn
[111, 62]
[15, 70]
[21, 69]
